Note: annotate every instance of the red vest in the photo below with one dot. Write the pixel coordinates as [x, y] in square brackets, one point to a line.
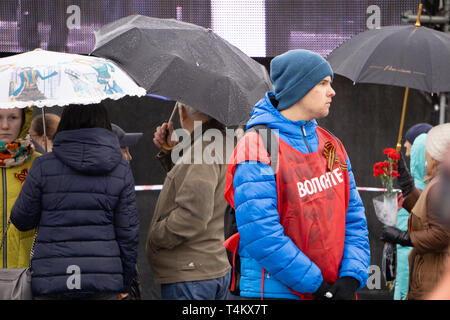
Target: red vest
[313, 194]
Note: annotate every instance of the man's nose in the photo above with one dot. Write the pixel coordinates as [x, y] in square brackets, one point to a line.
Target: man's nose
[331, 92]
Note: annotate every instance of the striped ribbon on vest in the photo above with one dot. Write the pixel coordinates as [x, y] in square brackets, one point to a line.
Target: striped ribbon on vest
[329, 152]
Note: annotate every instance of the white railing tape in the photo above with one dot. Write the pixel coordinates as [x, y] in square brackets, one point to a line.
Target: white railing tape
[159, 187]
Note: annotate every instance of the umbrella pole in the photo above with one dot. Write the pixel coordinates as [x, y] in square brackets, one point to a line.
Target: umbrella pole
[402, 121]
[405, 98]
[173, 112]
[45, 131]
[419, 13]
[165, 146]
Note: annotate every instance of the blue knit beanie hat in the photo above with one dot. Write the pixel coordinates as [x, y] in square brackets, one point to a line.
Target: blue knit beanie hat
[416, 130]
[295, 73]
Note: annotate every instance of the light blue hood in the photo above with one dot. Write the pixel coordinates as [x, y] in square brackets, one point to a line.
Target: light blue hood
[418, 167]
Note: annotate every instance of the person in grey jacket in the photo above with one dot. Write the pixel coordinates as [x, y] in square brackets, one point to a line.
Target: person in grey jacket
[184, 242]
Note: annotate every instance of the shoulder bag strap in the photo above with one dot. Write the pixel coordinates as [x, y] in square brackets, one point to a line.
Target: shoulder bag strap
[32, 246]
[264, 132]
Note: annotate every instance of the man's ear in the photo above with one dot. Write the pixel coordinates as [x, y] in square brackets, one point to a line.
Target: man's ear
[182, 111]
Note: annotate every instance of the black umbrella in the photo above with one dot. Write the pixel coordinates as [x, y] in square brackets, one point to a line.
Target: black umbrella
[187, 63]
[409, 56]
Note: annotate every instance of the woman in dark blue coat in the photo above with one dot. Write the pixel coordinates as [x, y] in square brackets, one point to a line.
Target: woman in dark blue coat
[81, 196]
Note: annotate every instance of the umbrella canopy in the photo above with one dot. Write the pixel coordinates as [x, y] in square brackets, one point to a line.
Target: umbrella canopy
[45, 78]
[186, 63]
[408, 56]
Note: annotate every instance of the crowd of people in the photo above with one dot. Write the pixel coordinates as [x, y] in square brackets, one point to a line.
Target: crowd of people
[424, 240]
[301, 228]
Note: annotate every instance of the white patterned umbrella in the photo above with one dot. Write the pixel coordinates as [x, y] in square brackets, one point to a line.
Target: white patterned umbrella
[45, 78]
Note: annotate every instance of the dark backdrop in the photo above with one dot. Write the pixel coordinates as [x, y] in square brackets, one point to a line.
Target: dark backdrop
[365, 117]
[289, 24]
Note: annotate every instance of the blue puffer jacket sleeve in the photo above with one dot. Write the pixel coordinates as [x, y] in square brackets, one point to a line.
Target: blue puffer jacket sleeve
[26, 212]
[261, 234]
[126, 224]
[356, 257]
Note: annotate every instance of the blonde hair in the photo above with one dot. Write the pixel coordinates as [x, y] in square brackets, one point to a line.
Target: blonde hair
[432, 167]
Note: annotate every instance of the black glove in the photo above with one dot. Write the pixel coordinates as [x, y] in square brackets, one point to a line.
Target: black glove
[320, 293]
[344, 289]
[405, 181]
[394, 235]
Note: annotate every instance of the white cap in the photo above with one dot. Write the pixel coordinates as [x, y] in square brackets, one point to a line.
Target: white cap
[437, 142]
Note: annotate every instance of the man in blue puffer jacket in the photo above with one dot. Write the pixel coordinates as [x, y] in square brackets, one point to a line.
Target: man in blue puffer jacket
[303, 231]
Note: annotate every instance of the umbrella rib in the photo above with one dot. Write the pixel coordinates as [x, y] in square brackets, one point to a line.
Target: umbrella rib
[174, 59]
[431, 64]
[161, 74]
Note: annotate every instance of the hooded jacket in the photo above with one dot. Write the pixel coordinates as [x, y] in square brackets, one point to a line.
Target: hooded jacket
[430, 254]
[184, 241]
[429, 237]
[418, 169]
[255, 200]
[16, 250]
[81, 196]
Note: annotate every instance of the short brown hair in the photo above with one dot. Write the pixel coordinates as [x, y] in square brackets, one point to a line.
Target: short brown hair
[51, 124]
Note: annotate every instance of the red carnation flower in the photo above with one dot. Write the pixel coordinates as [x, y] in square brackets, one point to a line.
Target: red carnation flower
[387, 151]
[394, 156]
[387, 170]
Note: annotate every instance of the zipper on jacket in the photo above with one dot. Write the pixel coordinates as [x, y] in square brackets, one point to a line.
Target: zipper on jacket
[5, 218]
[304, 138]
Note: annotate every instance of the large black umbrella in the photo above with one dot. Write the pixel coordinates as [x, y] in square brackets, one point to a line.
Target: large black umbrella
[187, 63]
[409, 56]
